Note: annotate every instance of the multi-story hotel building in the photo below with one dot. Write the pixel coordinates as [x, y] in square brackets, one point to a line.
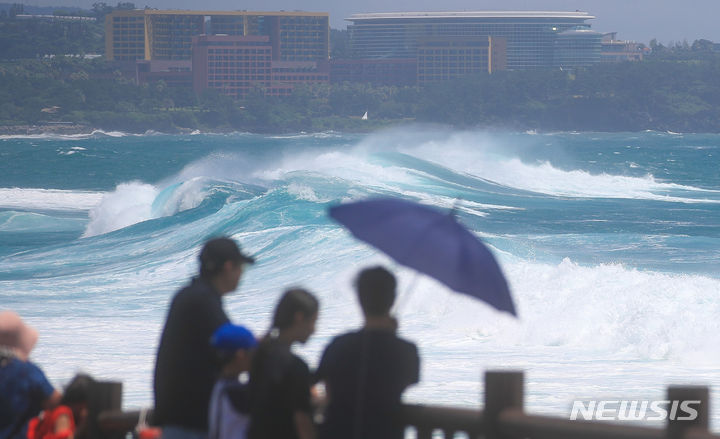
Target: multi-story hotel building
[532, 38]
[441, 59]
[236, 64]
[165, 35]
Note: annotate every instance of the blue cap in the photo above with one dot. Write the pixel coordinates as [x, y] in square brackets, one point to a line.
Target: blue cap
[231, 337]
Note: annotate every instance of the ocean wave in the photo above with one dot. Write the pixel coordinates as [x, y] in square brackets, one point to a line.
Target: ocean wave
[136, 202]
[480, 155]
[547, 179]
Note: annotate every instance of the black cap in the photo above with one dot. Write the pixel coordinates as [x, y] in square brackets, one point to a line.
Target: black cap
[217, 251]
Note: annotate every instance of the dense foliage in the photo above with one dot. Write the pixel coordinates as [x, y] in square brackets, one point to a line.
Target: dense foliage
[33, 38]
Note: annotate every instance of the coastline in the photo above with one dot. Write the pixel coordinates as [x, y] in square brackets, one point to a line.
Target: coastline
[49, 129]
[79, 129]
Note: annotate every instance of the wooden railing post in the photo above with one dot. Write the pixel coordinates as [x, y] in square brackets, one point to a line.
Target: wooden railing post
[503, 390]
[104, 395]
[690, 412]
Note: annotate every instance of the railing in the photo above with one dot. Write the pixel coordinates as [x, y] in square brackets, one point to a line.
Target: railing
[502, 418]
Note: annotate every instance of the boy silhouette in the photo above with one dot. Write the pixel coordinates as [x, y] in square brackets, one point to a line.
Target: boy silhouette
[229, 402]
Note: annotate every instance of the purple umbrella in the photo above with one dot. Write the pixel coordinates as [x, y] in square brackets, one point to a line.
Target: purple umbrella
[430, 241]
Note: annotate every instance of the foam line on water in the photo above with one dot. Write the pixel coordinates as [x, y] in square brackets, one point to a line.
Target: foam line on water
[13, 221]
[55, 136]
[48, 199]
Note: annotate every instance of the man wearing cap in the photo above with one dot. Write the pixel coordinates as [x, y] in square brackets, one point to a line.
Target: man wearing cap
[186, 367]
[24, 389]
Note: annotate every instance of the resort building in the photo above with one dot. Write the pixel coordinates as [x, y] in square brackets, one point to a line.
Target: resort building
[172, 73]
[235, 65]
[532, 39]
[231, 64]
[577, 47]
[393, 71]
[614, 50]
[150, 34]
[441, 59]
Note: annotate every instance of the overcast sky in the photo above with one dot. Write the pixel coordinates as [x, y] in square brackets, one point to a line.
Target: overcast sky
[639, 20]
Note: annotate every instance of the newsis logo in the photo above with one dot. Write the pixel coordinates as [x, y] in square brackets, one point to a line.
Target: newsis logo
[625, 410]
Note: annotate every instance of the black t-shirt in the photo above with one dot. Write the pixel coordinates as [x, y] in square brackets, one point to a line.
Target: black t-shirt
[186, 367]
[365, 373]
[279, 387]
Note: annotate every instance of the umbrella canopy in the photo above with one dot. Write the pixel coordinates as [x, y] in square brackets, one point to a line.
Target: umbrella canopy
[431, 242]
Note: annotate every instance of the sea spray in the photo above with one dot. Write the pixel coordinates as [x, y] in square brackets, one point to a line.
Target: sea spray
[129, 204]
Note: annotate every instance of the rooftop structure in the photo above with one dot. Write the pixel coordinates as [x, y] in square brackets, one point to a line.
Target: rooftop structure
[472, 14]
[614, 50]
[531, 36]
[49, 17]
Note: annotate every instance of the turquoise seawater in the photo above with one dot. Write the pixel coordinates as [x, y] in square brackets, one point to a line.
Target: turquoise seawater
[610, 243]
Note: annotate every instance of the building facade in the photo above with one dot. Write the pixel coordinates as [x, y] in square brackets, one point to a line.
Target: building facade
[400, 72]
[577, 47]
[236, 65]
[442, 59]
[172, 73]
[150, 34]
[531, 37]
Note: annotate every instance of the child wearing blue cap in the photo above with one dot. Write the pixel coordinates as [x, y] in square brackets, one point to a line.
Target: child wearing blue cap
[228, 411]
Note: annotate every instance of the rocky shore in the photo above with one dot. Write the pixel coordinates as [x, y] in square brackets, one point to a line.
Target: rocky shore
[51, 128]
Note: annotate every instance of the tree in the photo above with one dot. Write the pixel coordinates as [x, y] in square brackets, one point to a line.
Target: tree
[100, 10]
[702, 45]
[339, 44]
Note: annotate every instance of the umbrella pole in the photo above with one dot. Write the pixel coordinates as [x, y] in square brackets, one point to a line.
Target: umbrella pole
[403, 297]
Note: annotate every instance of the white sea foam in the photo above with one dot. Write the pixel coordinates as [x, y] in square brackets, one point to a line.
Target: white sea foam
[55, 136]
[545, 178]
[482, 156]
[48, 199]
[129, 204]
[354, 165]
[612, 308]
[135, 202]
[304, 192]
